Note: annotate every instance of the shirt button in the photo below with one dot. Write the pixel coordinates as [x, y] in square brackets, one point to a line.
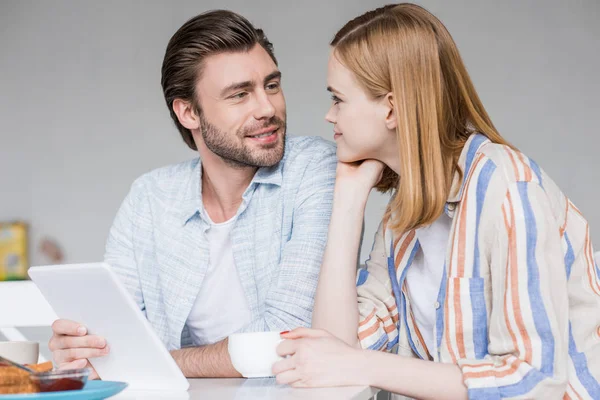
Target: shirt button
[437, 305]
[451, 207]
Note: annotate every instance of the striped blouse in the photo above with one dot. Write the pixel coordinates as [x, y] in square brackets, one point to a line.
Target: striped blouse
[518, 308]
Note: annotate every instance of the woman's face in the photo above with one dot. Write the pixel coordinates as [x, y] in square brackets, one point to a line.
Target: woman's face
[362, 126]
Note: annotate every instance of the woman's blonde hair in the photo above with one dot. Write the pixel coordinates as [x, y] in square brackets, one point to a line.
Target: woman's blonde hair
[404, 50]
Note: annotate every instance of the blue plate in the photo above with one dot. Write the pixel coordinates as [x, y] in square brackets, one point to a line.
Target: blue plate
[93, 390]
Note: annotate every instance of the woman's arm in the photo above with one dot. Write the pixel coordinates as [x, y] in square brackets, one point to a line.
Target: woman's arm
[336, 308]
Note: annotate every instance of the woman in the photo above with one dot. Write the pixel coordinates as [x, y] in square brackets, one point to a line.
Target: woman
[481, 276]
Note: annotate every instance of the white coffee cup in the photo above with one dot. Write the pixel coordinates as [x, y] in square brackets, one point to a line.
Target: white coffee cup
[253, 354]
[21, 352]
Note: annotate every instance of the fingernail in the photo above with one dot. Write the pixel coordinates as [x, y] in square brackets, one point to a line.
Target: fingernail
[284, 332]
[106, 350]
[101, 343]
[81, 330]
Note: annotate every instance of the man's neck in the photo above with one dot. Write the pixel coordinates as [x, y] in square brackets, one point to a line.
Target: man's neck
[222, 187]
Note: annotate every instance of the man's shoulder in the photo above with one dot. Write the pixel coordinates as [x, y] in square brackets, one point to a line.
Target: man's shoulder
[168, 180]
[302, 150]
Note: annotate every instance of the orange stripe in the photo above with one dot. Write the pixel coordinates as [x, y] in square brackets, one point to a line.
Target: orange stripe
[512, 159]
[576, 209]
[418, 332]
[506, 280]
[403, 248]
[447, 329]
[526, 167]
[575, 392]
[458, 320]
[462, 227]
[515, 286]
[367, 318]
[591, 270]
[389, 328]
[366, 333]
[564, 227]
[497, 374]
[485, 364]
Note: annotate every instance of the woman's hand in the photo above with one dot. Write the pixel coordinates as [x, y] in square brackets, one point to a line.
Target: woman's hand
[315, 358]
[364, 174]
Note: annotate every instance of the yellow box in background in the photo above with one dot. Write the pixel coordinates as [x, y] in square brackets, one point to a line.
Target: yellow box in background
[14, 262]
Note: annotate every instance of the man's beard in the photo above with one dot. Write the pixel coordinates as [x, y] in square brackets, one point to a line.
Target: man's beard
[234, 151]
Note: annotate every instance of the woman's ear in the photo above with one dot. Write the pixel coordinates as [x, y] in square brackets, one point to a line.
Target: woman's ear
[390, 117]
[186, 114]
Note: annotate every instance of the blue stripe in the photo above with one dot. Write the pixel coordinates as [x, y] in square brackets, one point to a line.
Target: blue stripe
[476, 142]
[480, 340]
[525, 385]
[363, 274]
[410, 340]
[540, 317]
[581, 368]
[393, 342]
[380, 343]
[536, 169]
[479, 312]
[482, 186]
[439, 313]
[411, 257]
[569, 256]
[394, 280]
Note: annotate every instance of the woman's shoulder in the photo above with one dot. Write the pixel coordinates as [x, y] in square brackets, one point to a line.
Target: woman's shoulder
[511, 165]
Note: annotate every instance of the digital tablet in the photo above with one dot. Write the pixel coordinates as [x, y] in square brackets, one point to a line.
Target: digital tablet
[93, 295]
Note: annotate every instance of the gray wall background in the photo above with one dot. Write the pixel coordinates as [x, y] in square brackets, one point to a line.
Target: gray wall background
[82, 113]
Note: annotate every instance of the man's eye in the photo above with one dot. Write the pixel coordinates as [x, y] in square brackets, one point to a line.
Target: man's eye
[273, 86]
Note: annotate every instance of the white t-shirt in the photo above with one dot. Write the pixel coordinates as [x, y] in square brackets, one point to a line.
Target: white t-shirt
[221, 307]
[424, 276]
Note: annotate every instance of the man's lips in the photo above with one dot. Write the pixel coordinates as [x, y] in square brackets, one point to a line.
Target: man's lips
[264, 131]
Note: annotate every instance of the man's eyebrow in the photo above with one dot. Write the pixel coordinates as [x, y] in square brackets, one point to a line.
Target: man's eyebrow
[273, 75]
[236, 86]
[248, 84]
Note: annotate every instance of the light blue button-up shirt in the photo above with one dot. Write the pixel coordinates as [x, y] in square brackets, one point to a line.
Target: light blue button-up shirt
[158, 244]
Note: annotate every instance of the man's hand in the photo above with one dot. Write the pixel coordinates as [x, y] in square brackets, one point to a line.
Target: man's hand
[71, 346]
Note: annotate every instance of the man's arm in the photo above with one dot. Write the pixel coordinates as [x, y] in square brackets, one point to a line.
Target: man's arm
[290, 301]
[211, 361]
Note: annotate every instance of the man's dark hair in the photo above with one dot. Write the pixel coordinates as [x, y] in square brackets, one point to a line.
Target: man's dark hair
[206, 34]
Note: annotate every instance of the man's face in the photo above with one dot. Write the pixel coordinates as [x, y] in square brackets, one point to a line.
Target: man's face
[243, 115]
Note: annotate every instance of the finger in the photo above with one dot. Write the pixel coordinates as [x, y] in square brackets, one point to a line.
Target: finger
[76, 364]
[70, 342]
[68, 327]
[286, 364]
[287, 348]
[298, 384]
[304, 333]
[287, 377]
[67, 355]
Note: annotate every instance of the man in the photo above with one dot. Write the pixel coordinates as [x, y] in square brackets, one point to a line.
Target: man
[232, 241]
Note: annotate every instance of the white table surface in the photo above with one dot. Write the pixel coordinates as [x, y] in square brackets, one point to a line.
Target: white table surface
[230, 389]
